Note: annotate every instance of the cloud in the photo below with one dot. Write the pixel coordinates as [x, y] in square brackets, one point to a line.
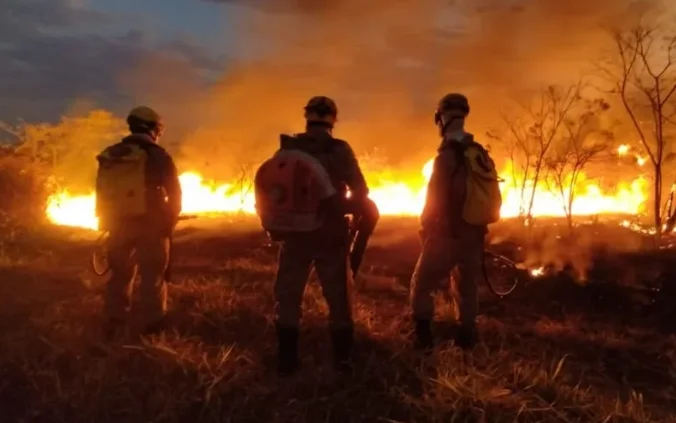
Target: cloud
[44, 14]
[307, 6]
[52, 54]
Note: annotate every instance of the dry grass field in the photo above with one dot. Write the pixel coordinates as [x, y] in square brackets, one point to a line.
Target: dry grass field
[555, 351]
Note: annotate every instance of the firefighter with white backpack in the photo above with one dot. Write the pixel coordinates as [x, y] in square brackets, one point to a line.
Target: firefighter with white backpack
[302, 201]
[463, 198]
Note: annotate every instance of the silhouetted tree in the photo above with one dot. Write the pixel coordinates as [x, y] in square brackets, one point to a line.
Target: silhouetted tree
[642, 72]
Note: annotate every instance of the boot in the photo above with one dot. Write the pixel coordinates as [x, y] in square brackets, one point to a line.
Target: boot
[287, 350]
[423, 333]
[342, 340]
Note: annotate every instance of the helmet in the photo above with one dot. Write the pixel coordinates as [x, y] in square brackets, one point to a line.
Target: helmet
[145, 114]
[143, 117]
[321, 109]
[322, 106]
[453, 105]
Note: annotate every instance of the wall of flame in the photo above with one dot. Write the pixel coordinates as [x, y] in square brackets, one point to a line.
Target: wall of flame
[392, 198]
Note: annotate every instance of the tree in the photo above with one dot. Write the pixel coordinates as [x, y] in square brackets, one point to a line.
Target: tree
[67, 150]
[530, 135]
[583, 138]
[244, 182]
[642, 72]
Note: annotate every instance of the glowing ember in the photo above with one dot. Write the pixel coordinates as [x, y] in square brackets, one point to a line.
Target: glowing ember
[623, 150]
[537, 272]
[393, 198]
[638, 228]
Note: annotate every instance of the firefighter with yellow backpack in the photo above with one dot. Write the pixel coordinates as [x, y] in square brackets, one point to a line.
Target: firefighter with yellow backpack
[138, 201]
[463, 198]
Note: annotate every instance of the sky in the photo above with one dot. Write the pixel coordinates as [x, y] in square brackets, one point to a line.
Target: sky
[54, 53]
[238, 63]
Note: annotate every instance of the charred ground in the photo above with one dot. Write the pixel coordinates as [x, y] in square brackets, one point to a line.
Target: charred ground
[556, 351]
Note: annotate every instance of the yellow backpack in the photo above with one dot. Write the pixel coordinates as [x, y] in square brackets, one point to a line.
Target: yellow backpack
[484, 199]
[121, 183]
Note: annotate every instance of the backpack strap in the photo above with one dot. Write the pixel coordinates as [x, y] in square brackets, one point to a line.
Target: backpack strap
[459, 148]
[287, 142]
[295, 142]
[486, 161]
[459, 152]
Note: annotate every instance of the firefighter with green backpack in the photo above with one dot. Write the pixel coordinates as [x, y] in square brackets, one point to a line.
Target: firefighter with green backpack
[138, 201]
[463, 198]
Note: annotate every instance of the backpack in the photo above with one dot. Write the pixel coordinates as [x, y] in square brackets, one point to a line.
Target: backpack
[291, 190]
[483, 198]
[121, 183]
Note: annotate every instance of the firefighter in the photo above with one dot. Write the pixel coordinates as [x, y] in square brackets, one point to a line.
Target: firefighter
[138, 202]
[448, 240]
[327, 248]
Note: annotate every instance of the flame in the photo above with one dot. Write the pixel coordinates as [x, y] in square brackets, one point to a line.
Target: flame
[69, 210]
[638, 228]
[623, 150]
[200, 197]
[393, 198]
[537, 272]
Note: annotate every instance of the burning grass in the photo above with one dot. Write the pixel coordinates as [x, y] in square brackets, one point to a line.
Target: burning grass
[555, 352]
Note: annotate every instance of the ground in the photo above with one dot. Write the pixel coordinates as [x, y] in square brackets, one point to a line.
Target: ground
[556, 351]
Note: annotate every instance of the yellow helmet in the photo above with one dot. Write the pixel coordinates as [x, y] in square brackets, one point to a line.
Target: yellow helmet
[145, 118]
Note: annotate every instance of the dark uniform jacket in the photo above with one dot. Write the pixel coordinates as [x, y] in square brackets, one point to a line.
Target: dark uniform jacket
[446, 192]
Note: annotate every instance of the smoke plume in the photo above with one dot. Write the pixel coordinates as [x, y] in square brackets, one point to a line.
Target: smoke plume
[386, 63]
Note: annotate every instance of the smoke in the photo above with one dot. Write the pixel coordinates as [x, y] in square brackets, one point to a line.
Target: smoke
[387, 63]
[551, 246]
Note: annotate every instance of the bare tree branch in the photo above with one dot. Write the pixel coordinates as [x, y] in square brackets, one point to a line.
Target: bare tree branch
[646, 88]
[581, 141]
[531, 135]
